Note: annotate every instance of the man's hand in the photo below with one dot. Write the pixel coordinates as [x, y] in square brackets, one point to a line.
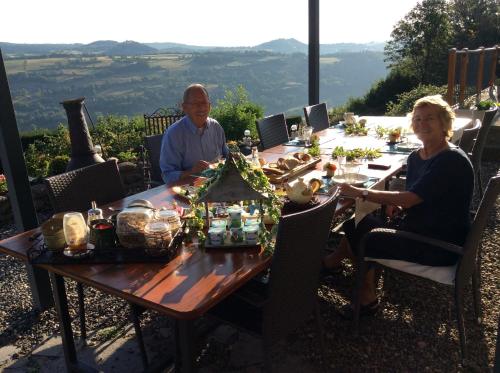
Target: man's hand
[199, 166]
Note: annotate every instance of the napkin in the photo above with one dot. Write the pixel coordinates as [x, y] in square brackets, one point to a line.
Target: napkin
[363, 208]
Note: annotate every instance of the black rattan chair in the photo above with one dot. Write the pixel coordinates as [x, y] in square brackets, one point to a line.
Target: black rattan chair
[272, 131]
[469, 136]
[457, 276]
[317, 116]
[279, 306]
[152, 144]
[476, 155]
[74, 191]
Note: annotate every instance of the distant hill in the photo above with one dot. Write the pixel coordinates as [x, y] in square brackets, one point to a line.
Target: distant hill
[135, 84]
[114, 48]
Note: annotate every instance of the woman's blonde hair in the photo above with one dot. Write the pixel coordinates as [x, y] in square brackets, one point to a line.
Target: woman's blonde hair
[446, 114]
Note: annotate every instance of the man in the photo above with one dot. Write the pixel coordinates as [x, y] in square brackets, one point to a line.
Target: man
[192, 143]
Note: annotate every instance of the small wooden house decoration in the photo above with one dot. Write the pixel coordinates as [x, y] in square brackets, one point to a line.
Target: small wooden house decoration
[230, 186]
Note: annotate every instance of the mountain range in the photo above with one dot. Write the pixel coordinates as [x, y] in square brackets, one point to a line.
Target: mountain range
[130, 48]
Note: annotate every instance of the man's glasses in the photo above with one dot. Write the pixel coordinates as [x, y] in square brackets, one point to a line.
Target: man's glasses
[198, 104]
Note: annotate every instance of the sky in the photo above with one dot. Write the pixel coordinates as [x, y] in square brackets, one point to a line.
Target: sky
[197, 22]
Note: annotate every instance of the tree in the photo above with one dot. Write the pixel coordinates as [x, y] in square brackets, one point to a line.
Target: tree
[420, 41]
[476, 23]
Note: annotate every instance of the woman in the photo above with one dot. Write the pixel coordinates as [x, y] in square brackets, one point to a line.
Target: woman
[436, 202]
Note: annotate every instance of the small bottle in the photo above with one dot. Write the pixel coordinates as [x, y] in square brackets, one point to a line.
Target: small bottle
[94, 213]
[247, 139]
[293, 132]
[255, 157]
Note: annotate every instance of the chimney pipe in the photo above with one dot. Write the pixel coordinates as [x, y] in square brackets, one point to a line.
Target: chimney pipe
[82, 148]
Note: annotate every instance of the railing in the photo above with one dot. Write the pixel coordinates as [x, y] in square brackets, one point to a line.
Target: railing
[470, 72]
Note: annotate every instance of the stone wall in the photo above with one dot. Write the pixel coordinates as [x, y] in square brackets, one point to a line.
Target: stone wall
[132, 178]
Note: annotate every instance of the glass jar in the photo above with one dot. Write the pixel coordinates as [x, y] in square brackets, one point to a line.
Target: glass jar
[130, 224]
[157, 235]
[171, 217]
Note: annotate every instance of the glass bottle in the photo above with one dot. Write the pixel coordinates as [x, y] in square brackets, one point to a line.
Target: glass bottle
[293, 132]
[255, 157]
[247, 139]
[94, 213]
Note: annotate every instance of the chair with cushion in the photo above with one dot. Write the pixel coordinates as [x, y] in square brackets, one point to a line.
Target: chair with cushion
[272, 131]
[469, 136]
[457, 276]
[317, 116]
[476, 155]
[152, 145]
[74, 191]
[276, 307]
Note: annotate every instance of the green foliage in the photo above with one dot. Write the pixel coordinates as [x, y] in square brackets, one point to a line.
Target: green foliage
[420, 41]
[405, 101]
[356, 153]
[118, 134]
[485, 105]
[57, 165]
[236, 113]
[42, 151]
[127, 156]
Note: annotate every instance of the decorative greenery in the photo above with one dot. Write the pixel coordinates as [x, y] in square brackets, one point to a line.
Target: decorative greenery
[259, 182]
[356, 153]
[356, 129]
[314, 149]
[485, 105]
[3, 184]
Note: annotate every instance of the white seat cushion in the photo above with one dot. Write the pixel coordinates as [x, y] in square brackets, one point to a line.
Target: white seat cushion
[444, 275]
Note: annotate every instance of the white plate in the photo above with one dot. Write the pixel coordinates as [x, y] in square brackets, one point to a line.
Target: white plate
[408, 146]
[352, 179]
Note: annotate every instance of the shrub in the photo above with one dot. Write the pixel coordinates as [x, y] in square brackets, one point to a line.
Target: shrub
[406, 100]
[58, 165]
[236, 113]
[127, 156]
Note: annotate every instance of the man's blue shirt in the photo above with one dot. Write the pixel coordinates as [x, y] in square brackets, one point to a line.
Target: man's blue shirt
[184, 144]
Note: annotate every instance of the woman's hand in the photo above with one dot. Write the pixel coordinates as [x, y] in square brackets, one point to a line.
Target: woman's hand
[350, 191]
[392, 211]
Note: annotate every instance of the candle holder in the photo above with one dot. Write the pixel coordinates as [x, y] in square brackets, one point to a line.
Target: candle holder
[102, 234]
[76, 234]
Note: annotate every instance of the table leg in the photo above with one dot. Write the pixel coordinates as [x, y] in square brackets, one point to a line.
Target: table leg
[61, 305]
[184, 346]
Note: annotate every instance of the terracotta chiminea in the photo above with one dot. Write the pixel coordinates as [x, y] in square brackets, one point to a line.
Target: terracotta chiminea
[82, 148]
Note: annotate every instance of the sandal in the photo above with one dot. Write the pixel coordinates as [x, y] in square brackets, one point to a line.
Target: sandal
[370, 309]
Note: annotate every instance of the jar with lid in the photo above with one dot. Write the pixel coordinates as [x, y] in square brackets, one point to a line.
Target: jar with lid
[130, 224]
[157, 235]
[171, 217]
[293, 132]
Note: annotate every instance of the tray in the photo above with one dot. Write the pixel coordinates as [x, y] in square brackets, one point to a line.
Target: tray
[297, 143]
[278, 179]
[39, 254]
[230, 245]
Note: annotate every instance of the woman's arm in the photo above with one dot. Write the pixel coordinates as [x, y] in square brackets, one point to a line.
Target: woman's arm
[403, 199]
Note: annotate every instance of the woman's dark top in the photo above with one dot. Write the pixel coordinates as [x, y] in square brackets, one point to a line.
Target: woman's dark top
[445, 183]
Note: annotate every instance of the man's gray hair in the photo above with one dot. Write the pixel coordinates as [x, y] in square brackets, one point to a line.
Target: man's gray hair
[194, 87]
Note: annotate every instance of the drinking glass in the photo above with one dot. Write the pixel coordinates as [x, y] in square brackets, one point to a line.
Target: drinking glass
[307, 135]
[76, 231]
[351, 170]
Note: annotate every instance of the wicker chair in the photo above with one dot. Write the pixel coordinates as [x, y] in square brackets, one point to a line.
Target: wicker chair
[457, 276]
[272, 309]
[152, 144]
[469, 137]
[272, 131]
[74, 191]
[476, 155]
[317, 116]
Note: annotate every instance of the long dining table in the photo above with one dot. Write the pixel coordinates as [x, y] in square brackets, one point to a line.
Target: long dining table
[187, 286]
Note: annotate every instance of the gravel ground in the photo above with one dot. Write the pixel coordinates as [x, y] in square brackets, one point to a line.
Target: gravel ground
[415, 330]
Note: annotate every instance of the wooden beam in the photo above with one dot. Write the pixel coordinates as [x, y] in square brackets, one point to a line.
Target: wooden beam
[313, 52]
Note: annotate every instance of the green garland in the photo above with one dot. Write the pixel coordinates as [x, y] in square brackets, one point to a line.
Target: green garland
[259, 182]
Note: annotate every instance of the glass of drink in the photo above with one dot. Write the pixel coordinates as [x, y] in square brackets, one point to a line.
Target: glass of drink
[76, 232]
[307, 135]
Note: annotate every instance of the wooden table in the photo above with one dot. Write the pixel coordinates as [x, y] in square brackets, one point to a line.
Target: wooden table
[184, 288]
